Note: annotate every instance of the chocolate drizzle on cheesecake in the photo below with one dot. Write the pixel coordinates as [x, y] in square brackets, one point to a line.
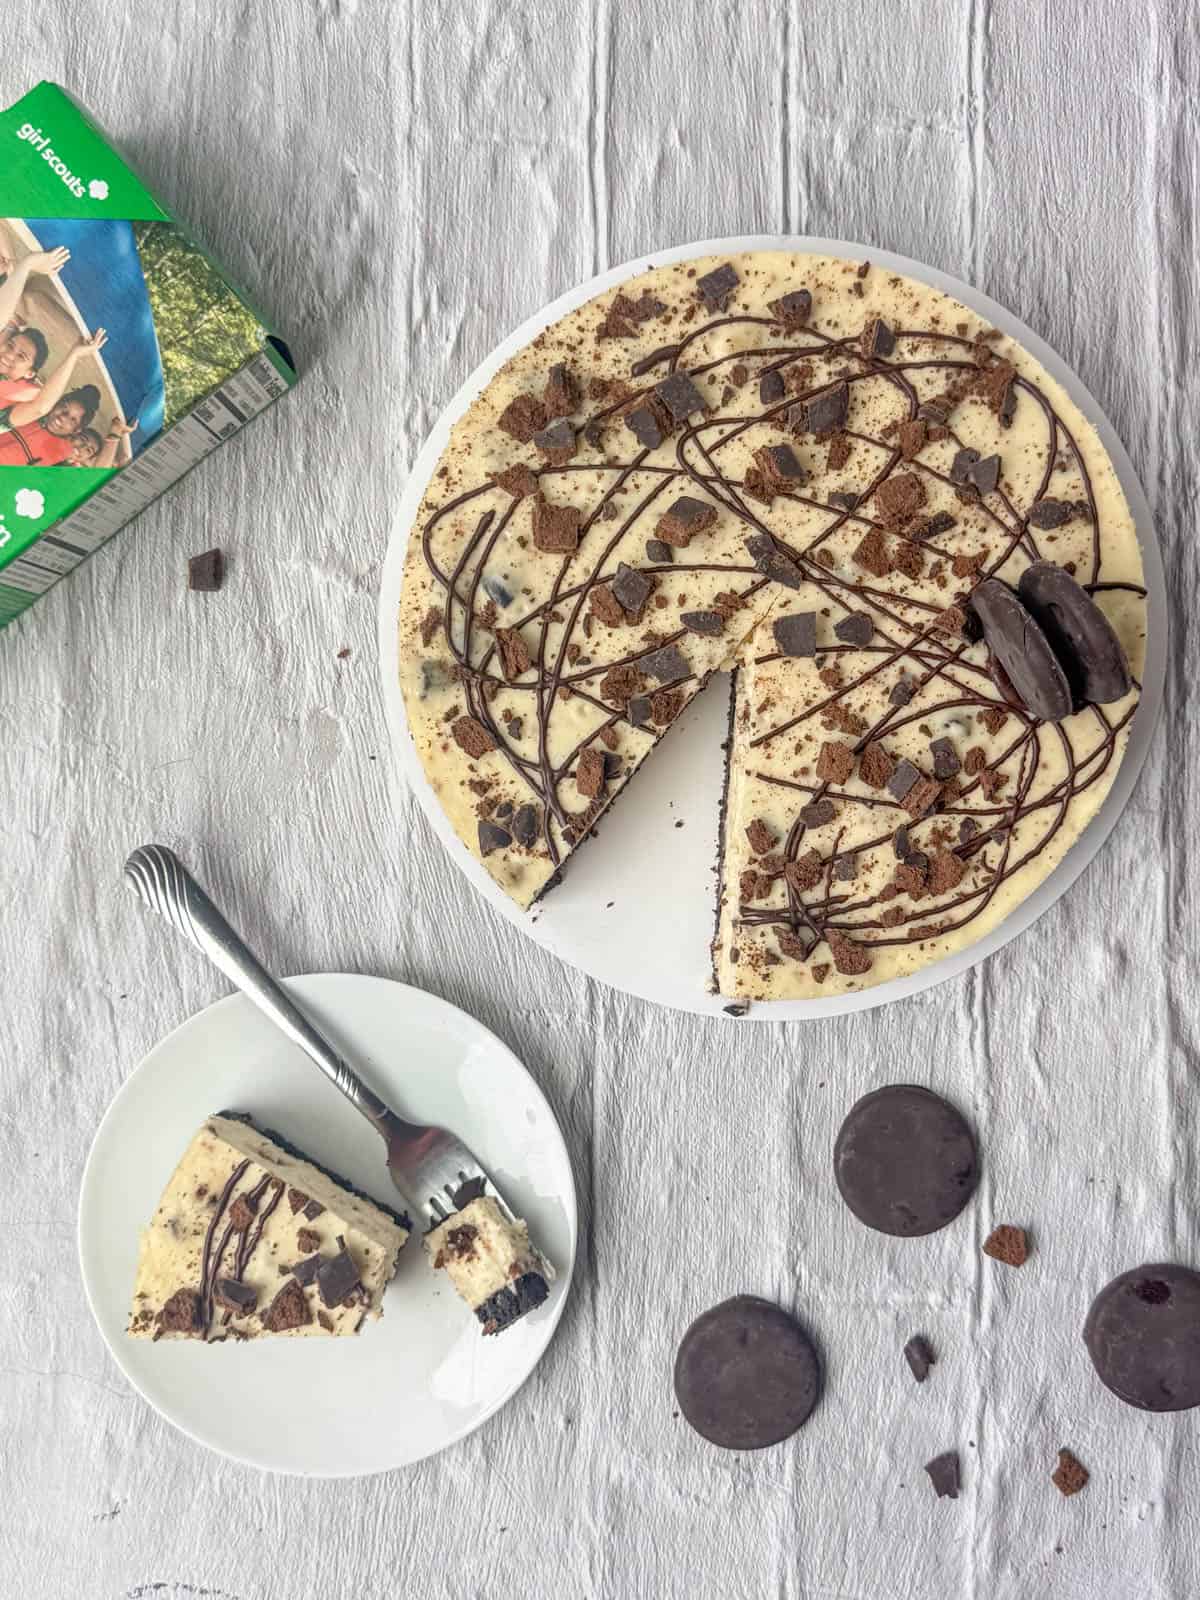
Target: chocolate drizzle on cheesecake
[895, 633]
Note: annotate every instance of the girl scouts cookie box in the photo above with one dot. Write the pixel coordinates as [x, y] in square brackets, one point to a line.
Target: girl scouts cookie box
[126, 356]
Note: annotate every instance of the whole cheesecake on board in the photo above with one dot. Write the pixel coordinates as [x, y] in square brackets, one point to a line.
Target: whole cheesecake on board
[251, 1237]
[890, 522]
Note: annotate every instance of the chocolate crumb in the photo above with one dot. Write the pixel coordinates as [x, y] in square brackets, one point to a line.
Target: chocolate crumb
[1007, 1244]
[1070, 1476]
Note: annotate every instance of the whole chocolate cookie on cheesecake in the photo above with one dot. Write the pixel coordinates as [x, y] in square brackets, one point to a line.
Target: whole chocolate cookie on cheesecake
[905, 1160]
[803, 469]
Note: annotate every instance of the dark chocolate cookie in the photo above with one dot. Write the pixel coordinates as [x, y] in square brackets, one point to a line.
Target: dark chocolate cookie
[746, 1374]
[1079, 633]
[905, 1160]
[1143, 1335]
[1023, 650]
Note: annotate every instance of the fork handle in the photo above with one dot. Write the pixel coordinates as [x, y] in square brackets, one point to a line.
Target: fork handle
[163, 883]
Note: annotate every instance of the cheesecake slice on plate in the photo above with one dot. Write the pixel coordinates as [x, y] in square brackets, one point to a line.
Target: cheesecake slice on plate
[251, 1237]
[489, 1259]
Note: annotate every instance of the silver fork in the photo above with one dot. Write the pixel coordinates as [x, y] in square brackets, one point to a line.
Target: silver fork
[432, 1168]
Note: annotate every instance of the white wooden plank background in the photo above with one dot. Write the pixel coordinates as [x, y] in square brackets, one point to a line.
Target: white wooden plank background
[403, 182]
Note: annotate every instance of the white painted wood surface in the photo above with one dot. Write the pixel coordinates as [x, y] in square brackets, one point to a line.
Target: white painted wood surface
[403, 182]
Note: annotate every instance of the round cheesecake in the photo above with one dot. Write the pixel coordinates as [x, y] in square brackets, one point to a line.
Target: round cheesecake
[890, 523]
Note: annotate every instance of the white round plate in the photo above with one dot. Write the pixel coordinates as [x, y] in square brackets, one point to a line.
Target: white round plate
[423, 1376]
[655, 863]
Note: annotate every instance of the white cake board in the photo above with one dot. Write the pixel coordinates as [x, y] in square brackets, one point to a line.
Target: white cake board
[635, 907]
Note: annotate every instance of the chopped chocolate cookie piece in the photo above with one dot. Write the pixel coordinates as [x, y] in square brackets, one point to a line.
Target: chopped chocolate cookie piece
[905, 1161]
[557, 441]
[780, 468]
[805, 873]
[297, 1199]
[850, 958]
[920, 1357]
[337, 1277]
[762, 838]
[308, 1240]
[680, 396]
[242, 1212]
[667, 664]
[523, 417]
[946, 872]
[1007, 1244]
[492, 837]
[589, 773]
[827, 411]
[288, 1310]
[913, 436]
[771, 386]
[943, 1474]
[984, 475]
[946, 763]
[235, 1296]
[514, 652]
[685, 518]
[1081, 636]
[873, 554]
[562, 394]
[716, 288]
[922, 797]
[904, 776]
[644, 426]
[527, 826]
[1022, 649]
[876, 766]
[899, 498]
[846, 868]
[836, 762]
[746, 1374]
[471, 735]
[818, 813]
[797, 944]
[305, 1272]
[796, 635]
[555, 528]
[1050, 513]
[181, 1313]
[659, 552]
[632, 589]
[1070, 1476]
[772, 562]
[604, 604]
[877, 340]
[619, 684]
[792, 309]
[703, 622]
[856, 629]
[206, 573]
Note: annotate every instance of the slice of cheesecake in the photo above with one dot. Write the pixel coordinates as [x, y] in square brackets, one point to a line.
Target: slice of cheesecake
[251, 1237]
[490, 1261]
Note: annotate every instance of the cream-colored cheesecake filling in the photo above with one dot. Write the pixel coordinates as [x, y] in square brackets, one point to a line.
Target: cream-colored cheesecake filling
[551, 631]
[240, 1207]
